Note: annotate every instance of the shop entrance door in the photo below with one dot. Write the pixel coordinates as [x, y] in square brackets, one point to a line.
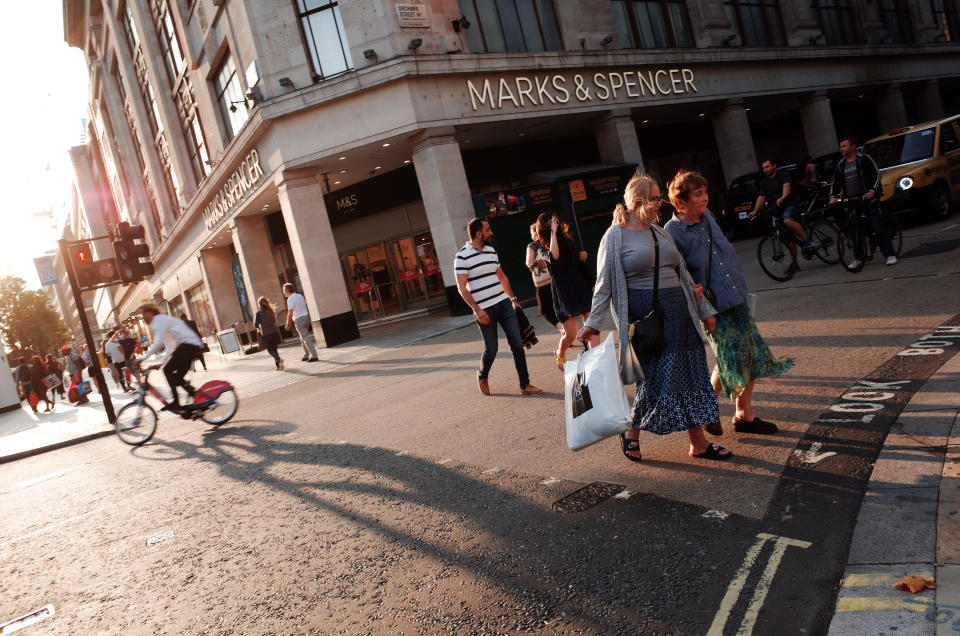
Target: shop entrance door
[373, 288]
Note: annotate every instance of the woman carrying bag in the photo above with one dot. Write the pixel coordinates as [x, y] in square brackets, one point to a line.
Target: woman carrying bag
[265, 324]
[537, 264]
[37, 385]
[642, 277]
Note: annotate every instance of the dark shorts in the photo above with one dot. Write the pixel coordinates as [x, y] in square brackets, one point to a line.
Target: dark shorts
[791, 212]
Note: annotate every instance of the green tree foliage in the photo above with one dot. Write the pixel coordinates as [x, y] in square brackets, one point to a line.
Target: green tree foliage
[28, 323]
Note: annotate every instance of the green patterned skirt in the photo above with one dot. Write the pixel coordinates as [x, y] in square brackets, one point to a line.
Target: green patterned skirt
[742, 355]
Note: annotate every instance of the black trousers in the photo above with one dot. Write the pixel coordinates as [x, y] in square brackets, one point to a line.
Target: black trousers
[177, 366]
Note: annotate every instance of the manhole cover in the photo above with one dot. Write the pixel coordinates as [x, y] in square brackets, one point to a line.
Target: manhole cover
[933, 248]
[587, 497]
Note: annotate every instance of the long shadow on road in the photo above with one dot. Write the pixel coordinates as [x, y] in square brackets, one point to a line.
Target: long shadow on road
[640, 565]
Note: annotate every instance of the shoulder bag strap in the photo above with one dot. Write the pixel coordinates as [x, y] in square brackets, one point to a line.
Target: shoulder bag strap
[656, 269]
[706, 286]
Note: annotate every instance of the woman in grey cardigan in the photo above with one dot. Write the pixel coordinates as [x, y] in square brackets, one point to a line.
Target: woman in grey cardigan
[673, 386]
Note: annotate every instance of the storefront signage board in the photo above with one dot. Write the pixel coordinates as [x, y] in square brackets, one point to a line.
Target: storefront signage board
[409, 274]
[525, 91]
[363, 286]
[412, 16]
[240, 181]
[373, 195]
[431, 269]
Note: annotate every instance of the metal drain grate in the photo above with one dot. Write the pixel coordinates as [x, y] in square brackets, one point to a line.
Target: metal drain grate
[933, 248]
[587, 497]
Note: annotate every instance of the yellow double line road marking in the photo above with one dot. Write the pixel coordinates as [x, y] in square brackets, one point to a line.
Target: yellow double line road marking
[880, 603]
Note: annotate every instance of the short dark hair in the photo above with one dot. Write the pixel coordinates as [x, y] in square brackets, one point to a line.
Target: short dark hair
[474, 227]
[770, 159]
[22, 360]
[851, 139]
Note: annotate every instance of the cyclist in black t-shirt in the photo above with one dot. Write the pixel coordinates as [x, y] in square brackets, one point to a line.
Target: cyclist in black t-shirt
[775, 187]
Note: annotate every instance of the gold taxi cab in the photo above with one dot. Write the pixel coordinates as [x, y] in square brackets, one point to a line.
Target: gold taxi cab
[919, 167]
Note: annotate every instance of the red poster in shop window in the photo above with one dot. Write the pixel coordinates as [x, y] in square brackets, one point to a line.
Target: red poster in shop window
[408, 274]
[363, 286]
[431, 269]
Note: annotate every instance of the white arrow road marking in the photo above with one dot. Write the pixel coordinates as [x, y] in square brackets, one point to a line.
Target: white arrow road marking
[813, 455]
[715, 514]
[763, 585]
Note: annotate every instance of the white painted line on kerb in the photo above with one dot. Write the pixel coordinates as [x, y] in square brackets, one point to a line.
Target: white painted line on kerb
[732, 596]
[26, 620]
[37, 480]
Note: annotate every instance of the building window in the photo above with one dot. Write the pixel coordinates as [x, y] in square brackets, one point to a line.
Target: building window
[192, 132]
[511, 26]
[836, 21]
[758, 21]
[170, 177]
[896, 18]
[169, 44]
[652, 24]
[945, 14]
[233, 106]
[326, 38]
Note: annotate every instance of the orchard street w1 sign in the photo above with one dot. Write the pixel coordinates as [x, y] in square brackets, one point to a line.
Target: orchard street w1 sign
[563, 88]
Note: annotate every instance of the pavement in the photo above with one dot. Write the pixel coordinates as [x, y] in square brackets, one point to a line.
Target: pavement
[23, 433]
[909, 522]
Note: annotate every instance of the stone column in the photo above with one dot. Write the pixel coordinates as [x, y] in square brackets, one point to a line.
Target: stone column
[929, 101]
[731, 129]
[216, 266]
[446, 199]
[616, 136]
[890, 108]
[315, 253]
[252, 243]
[819, 131]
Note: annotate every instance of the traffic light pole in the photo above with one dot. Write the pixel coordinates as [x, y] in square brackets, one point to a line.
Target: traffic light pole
[82, 311]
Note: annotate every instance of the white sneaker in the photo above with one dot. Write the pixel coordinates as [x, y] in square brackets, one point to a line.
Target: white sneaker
[892, 260]
[854, 263]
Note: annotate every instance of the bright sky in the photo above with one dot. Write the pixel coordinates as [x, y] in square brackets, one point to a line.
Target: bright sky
[40, 118]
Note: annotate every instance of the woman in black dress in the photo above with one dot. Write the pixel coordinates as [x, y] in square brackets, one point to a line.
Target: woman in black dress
[36, 383]
[541, 278]
[572, 293]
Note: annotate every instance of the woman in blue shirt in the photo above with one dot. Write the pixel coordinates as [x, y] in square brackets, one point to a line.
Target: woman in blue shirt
[742, 355]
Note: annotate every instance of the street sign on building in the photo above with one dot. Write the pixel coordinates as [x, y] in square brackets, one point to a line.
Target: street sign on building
[413, 16]
[46, 270]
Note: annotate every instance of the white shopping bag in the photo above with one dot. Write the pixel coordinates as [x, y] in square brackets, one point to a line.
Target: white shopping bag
[593, 391]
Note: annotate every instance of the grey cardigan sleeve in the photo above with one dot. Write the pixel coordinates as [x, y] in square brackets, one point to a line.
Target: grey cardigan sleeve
[602, 291]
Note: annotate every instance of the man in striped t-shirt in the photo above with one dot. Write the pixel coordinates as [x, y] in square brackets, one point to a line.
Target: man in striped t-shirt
[485, 287]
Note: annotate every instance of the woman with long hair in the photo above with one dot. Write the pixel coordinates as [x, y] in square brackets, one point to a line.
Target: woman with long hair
[742, 354]
[673, 391]
[52, 367]
[537, 264]
[571, 291]
[36, 383]
[265, 324]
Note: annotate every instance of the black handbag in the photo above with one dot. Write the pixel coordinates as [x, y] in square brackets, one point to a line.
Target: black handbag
[646, 334]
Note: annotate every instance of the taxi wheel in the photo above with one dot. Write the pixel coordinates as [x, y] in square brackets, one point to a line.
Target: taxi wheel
[940, 202]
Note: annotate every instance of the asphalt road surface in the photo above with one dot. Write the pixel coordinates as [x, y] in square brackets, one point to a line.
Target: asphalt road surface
[389, 496]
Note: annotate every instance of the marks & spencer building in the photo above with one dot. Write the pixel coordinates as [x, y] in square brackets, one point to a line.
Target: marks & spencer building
[344, 145]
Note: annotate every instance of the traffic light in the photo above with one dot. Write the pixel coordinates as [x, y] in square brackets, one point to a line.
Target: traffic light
[128, 253]
[91, 273]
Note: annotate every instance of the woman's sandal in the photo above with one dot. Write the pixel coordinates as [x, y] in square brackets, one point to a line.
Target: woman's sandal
[713, 452]
[560, 360]
[630, 445]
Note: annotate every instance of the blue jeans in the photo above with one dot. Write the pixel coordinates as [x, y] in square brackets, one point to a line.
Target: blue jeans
[503, 314]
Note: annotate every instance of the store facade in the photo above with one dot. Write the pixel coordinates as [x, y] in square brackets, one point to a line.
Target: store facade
[355, 185]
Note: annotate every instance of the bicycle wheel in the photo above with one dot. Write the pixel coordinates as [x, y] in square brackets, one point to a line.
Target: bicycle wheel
[775, 259]
[224, 407]
[136, 423]
[894, 232]
[827, 241]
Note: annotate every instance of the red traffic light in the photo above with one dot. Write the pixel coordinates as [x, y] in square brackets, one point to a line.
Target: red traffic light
[83, 256]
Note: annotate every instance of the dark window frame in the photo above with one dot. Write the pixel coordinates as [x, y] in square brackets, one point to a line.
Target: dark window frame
[897, 13]
[303, 20]
[224, 100]
[776, 34]
[838, 9]
[671, 29]
[946, 15]
[478, 25]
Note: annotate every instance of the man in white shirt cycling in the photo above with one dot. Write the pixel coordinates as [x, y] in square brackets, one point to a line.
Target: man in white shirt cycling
[182, 345]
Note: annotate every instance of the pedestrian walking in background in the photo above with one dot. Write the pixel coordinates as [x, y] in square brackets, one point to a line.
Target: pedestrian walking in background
[75, 365]
[571, 290]
[298, 315]
[537, 264]
[21, 376]
[485, 288]
[130, 348]
[196, 330]
[118, 360]
[53, 367]
[37, 385]
[673, 391]
[265, 324]
[741, 353]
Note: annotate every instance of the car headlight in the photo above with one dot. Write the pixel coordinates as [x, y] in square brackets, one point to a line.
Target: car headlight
[905, 182]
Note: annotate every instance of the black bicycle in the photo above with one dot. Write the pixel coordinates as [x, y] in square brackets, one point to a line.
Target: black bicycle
[776, 258]
[859, 232]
